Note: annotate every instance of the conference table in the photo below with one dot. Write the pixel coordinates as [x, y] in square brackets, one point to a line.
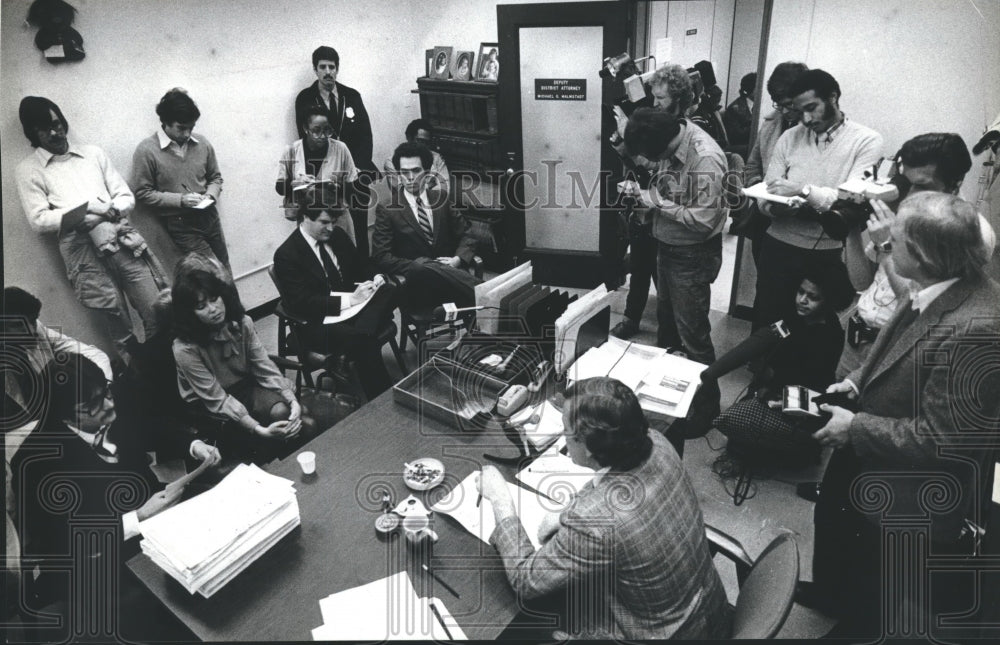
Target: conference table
[336, 547]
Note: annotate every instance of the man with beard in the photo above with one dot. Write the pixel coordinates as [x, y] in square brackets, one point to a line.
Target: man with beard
[809, 161]
[349, 119]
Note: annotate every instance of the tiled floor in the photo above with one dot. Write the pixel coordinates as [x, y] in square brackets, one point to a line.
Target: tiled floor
[773, 508]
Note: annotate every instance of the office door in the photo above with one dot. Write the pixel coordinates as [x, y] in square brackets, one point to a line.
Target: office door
[554, 138]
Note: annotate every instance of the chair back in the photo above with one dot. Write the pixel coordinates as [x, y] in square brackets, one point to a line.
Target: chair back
[767, 594]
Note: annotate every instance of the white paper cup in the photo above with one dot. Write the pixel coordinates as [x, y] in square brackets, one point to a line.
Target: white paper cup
[307, 460]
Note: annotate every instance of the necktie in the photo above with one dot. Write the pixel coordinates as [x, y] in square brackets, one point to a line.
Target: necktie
[105, 449]
[424, 219]
[333, 276]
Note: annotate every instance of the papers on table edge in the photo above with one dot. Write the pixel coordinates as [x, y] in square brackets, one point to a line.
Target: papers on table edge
[554, 474]
[206, 541]
[759, 191]
[568, 324]
[664, 383]
[386, 609]
[489, 293]
[532, 509]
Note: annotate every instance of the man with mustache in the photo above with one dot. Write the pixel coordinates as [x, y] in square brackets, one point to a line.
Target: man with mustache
[809, 161]
[349, 119]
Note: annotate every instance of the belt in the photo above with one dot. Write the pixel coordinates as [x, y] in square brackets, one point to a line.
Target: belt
[858, 331]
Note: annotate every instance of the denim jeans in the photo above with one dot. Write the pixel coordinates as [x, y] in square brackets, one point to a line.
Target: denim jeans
[199, 232]
[642, 267]
[684, 292]
[135, 278]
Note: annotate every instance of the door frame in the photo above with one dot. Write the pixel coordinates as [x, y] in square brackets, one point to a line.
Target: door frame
[560, 267]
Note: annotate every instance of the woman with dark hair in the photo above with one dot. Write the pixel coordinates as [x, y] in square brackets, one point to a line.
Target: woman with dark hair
[312, 162]
[631, 545]
[223, 368]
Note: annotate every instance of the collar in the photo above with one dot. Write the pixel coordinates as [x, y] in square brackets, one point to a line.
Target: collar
[47, 156]
[165, 141]
[923, 298]
[599, 475]
[830, 133]
[97, 441]
[312, 241]
[412, 199]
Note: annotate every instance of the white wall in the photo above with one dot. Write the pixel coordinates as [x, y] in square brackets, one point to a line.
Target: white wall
[904, 66]
[242, 61]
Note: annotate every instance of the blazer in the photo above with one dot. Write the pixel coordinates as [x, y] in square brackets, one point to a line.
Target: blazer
[302, 282]
[927, 392]
[349, 120]
[398, 239]
[632, 549]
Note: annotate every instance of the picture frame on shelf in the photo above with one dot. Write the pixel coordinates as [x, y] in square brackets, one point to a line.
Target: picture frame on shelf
[441, 63]
[428, 61]
[489, 62]
[462, 67]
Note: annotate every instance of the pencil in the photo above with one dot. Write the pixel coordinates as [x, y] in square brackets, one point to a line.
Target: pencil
[440, 581]
[441, 620]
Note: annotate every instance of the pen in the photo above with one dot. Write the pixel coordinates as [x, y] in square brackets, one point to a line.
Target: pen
[442, 582]
[441, 620]
[479, 500]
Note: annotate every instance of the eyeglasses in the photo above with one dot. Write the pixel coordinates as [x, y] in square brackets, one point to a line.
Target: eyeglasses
[320, 132]
[94, 406]
[885, 247]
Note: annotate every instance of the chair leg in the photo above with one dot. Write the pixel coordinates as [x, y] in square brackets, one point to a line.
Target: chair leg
[402, 334]
[398, 354]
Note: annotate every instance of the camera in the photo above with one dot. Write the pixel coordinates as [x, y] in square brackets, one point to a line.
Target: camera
[851, 209]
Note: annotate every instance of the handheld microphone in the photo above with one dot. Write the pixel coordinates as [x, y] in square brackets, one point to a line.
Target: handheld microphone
[448, 312]
[758, 344]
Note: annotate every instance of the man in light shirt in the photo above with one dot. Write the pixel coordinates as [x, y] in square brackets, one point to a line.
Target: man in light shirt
[72, 190]
[926, 420]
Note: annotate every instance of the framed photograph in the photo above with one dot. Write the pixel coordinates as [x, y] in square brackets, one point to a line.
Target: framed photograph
[489, 62]
[428, 61]
[461, 68]
[441, 64]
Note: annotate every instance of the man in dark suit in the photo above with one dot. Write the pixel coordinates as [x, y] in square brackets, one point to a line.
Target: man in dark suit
[911, 463]
[320, 273]
[347, 114]
[418, 235]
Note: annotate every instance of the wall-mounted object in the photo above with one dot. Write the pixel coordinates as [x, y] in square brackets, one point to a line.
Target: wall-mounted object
[56, 37]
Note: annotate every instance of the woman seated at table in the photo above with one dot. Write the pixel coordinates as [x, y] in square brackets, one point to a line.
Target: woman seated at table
[84, 452]
[223, 368]
[310, 162]
[631, 545]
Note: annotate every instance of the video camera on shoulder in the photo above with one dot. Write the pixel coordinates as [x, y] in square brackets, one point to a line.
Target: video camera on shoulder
[852, 210]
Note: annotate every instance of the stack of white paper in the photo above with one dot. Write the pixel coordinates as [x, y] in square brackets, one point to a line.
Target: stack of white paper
[489, 293]
[204, 542]
[387, 609]
[664, 383]
[555, 475]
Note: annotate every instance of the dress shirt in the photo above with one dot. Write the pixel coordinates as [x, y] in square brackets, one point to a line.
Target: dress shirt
[924, 297]
[411, 199]
[166, 143]
[314, 245]
[51, 185]
[691, 178]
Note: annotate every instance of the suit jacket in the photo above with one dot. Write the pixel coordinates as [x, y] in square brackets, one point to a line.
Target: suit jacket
[349, 120]
[642, 566]
[302, 282]
[927, 392]
[398, 238]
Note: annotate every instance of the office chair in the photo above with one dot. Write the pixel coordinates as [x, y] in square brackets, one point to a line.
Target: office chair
[767, 586]
[307, 362]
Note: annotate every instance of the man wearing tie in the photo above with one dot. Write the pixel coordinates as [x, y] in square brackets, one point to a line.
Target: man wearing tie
[418, 235]
[320, 273]
[914, 458]
[349, 119]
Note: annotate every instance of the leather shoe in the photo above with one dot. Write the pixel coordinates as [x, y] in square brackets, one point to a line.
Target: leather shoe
[808, 491]
[626, 329]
